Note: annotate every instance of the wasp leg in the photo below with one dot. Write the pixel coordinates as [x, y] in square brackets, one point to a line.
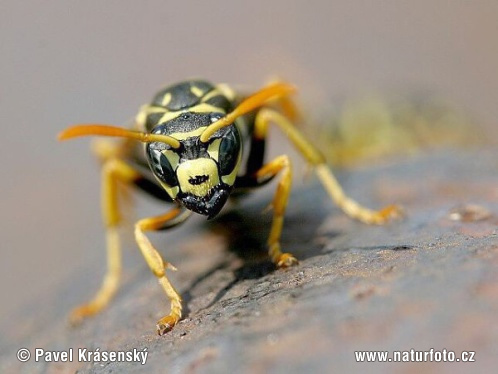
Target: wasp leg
[282, 165]
[112, 171]
[327, 178]
[157, 265]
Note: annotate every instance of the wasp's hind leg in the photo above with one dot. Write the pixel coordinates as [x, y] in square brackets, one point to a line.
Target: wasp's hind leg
[353, 209]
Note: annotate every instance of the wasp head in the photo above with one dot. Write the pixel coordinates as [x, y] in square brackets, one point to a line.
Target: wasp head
[200, 175]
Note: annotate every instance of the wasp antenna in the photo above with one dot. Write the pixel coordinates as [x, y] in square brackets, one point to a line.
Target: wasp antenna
[106, 130]
[273, 91]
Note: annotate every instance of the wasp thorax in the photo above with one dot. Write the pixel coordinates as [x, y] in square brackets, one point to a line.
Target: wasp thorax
[198, 176]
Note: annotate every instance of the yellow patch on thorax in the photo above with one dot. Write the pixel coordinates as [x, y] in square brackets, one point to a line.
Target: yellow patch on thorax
[196, 91]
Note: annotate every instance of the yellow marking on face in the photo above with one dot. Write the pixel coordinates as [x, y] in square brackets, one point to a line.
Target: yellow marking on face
[214, 149]
[172, 191]
[166, 99]
[191, 169]
[173, 158]
[196, 91]
[230, 178]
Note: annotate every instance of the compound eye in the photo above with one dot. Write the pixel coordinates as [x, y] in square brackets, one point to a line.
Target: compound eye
[163, 163]
[229, 151]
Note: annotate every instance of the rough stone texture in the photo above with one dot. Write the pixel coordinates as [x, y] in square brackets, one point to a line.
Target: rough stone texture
[427, 281]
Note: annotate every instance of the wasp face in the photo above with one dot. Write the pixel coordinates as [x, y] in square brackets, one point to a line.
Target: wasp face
[198, 175]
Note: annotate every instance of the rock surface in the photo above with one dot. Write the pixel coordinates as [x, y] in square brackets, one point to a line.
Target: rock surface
[427, 281]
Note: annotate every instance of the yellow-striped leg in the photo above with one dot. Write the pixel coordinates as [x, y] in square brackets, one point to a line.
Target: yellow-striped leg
[157, 265]
[113, 170]
[280, 164]
[266, 116]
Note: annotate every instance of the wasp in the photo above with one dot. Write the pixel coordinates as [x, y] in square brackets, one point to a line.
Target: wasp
[191, 147]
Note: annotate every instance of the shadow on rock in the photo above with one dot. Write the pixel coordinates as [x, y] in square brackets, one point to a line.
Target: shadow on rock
[246, 228]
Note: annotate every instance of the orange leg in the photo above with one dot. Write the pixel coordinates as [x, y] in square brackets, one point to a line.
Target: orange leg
[113, 171]
[353, 209]
[158, 266]
[281, 165]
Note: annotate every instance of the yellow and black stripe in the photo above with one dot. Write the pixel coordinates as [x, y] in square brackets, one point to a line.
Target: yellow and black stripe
[195, 96]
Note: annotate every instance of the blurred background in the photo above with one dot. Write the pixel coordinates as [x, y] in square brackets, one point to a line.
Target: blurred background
[65, 62]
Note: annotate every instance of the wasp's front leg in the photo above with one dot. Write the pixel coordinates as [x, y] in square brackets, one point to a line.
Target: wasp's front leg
[282, 165]
[156, 263]
[113, 171]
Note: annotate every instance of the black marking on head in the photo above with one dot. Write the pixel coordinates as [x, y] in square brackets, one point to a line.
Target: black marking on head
[182, 96]
[192, 148]
[198, 179]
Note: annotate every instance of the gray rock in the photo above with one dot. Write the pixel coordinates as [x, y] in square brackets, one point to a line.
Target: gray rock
[427, 281]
